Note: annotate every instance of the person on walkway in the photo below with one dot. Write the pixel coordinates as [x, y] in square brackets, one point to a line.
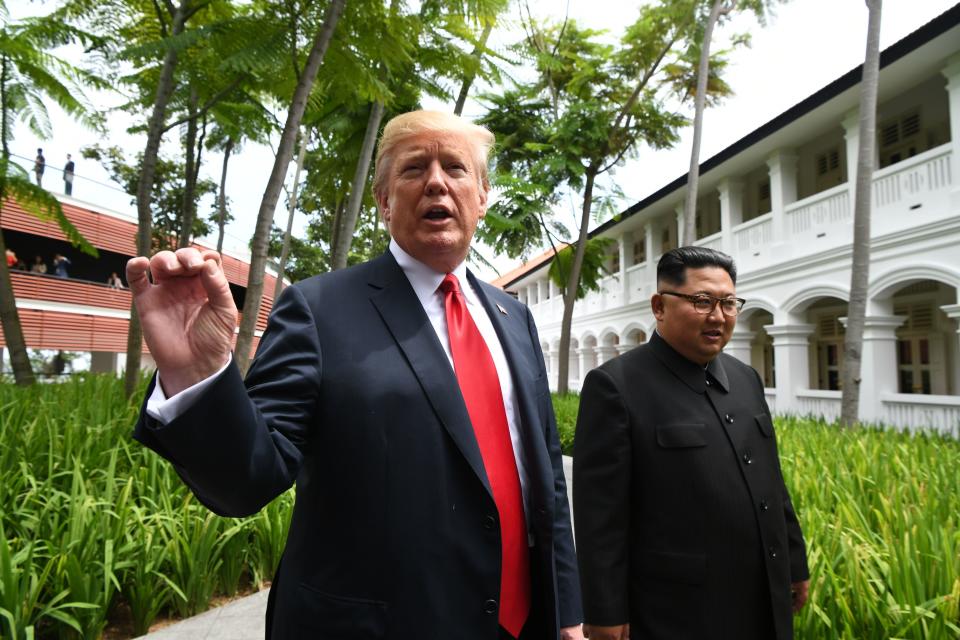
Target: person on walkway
[60, 264]
[413, 415]
[685, 529]
[115, 281]
[68, 176]
[39, 165]
[10, 257]
[38, 266]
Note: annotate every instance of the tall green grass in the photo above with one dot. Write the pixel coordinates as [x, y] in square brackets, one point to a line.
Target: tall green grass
[92, 523]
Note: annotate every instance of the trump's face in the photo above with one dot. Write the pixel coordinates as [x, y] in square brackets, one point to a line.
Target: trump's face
[434, 199]
[698, 337]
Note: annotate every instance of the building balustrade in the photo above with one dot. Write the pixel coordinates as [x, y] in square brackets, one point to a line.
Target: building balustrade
[753, 235]
[914, 411]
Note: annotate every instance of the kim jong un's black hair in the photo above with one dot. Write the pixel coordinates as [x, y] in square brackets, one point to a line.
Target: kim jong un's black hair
[673, 265]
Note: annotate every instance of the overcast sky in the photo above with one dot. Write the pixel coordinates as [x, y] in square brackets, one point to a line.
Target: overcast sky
[805, 45]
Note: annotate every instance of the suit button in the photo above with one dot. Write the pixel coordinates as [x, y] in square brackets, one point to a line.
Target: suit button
[489, 522]
[773, 553]
[763, 505]
[542, 511]
[747, 458]
[708, 383]
[728, 418]
[490, 606]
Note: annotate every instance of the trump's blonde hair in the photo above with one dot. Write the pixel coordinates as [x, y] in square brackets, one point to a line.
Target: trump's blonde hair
[413, 122]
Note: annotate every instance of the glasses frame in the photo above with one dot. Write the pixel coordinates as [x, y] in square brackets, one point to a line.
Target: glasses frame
[694, 299]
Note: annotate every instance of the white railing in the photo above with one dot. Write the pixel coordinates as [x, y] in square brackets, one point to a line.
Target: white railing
[915, 411]
[753, 234]
[713, 241]
[771, 396]
[826, 208]
[817, 402]
[924, 173]
[636, 281]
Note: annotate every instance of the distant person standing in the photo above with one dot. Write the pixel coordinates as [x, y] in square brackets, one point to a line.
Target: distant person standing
[39, 164]
[38, 266]
[60, 264]
[11, 258]
[68, 176]
[115, 281]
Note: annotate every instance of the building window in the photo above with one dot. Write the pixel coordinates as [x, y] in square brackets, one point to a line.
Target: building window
[640, 251]
[900, 138]
[914, 371]
[830, 352]
[666, 240]
[828, 169]
[708, 218]
[763, 198]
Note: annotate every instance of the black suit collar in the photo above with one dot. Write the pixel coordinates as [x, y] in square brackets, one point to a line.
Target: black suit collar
[692, 374]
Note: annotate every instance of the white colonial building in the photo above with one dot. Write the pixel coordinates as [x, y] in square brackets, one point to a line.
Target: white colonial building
[780, 201]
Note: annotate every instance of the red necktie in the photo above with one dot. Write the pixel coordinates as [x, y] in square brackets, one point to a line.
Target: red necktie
[480, 386]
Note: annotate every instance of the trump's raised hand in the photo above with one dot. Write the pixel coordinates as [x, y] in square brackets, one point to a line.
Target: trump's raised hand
[187, 313]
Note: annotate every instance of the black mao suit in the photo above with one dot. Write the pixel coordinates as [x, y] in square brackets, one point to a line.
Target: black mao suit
[684, 525]
[352, 397]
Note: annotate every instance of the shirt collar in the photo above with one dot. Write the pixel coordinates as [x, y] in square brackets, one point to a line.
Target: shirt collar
[425, 281]
[692, 374]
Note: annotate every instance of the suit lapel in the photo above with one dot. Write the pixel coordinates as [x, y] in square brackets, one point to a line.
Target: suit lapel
[406, 320]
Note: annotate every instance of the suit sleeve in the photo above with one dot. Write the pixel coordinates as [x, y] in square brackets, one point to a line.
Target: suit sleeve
[601, 500]
[569, 605]
[241, 444]
[795, 543]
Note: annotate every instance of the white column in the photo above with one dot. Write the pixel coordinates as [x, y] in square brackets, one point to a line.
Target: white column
[739, 345]
[651, 278]
[952, 74]
[953, 312]
[3, 355]
[554, 357]
[878, 365]
[626, 260]
[606, 352]
[783, 190]
[851, 134]
[541, 290]
[679, 224]
[790, 349]
[731, 210]
[582, 354]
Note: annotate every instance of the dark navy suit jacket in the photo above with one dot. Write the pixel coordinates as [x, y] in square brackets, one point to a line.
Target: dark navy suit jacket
[352, 397]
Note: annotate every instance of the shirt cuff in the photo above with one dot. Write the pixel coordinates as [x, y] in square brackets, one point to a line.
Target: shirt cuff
[165, 410]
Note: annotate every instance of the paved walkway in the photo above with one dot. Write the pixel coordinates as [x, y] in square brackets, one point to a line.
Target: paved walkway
[243, 619]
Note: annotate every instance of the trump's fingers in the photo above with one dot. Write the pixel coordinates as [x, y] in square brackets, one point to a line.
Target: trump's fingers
[164, 264]
[190, 258]
[137, 279]
[210, 254]
[215, 283]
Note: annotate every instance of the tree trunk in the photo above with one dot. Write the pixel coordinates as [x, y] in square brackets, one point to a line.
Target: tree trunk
[573, 283]
[222, 198]
[165, 87]
[10, 320]
[700, 100]
[860, 269]
[187, 206]
[261, 237]
[9, 317]
[347, 223]
[472, 73]
[285, 250]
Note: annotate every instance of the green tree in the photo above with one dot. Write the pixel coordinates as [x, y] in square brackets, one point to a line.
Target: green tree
[306, 76]
[30, 75]
[719, 10]
[590, 107]
[860, 264]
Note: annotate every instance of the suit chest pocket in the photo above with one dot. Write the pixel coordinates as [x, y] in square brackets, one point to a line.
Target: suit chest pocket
[765, 424]
[681, 436]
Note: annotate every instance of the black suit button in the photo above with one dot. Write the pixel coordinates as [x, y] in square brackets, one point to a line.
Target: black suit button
[542, 511]
[763, 505]
[747, 458]
[773, 553]
[728, 418]
[489, 522]
[490, 606]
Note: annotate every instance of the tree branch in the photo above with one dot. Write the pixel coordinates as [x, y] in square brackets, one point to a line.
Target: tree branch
[206, 107]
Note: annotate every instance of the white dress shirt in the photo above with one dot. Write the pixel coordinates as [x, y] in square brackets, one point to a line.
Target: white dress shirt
[426, 284]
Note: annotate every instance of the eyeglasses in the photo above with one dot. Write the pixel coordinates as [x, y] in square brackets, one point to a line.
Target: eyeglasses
[705, 304]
